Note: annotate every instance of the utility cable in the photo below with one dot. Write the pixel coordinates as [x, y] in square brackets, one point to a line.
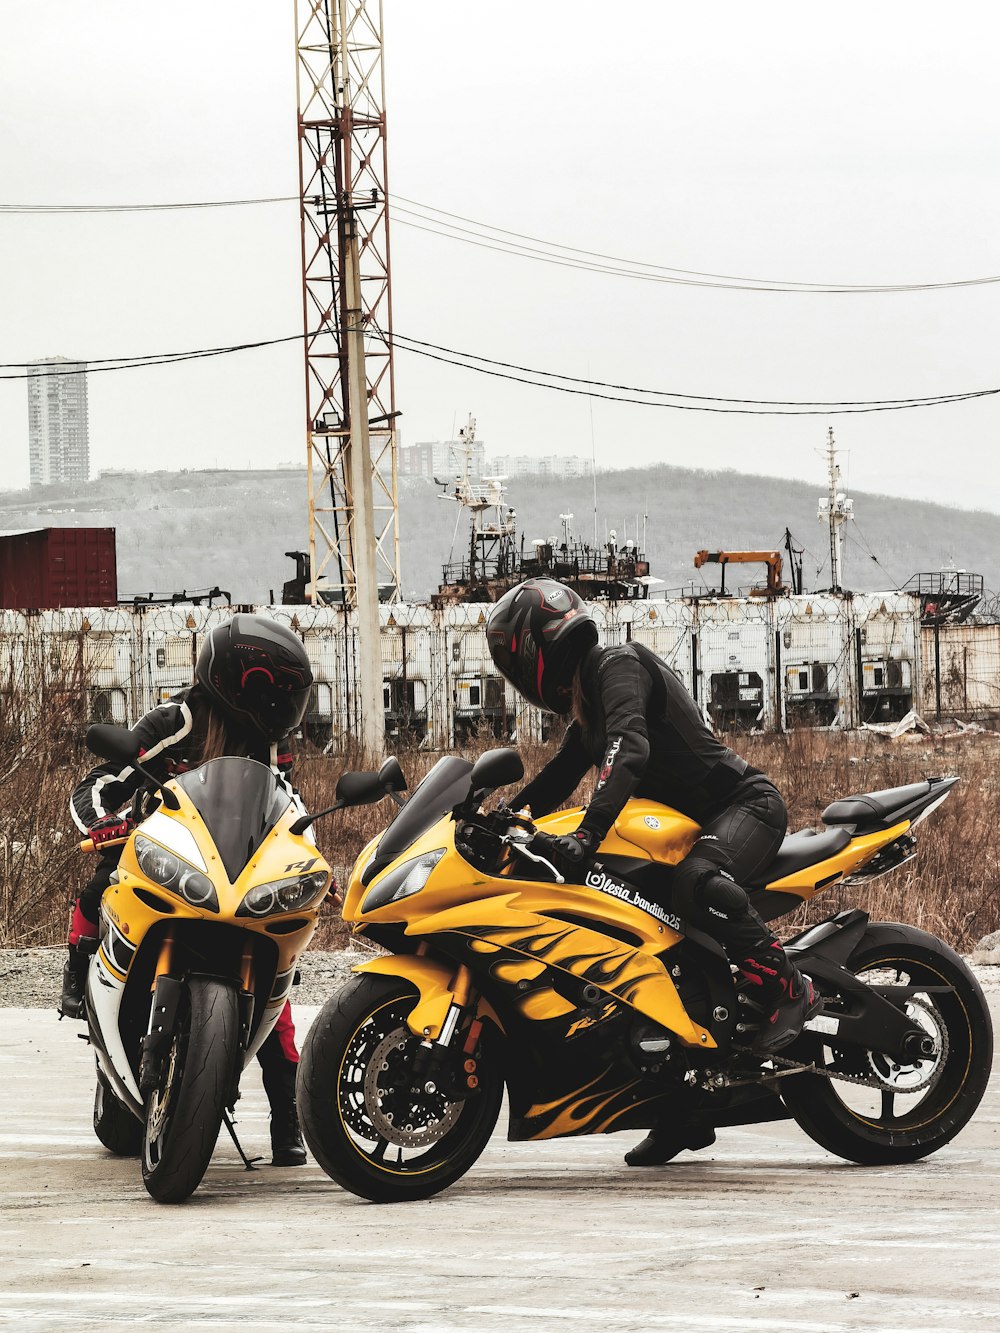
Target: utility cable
[98, 365]
[716, 405]
[55, 209]
[441, 222]
[569, 258]
[524, 375]
[673, 393]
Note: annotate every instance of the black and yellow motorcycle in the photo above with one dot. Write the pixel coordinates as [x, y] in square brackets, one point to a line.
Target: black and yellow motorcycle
[600, 1010]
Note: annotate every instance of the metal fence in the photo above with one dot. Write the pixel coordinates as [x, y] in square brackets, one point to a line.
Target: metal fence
[821, 661]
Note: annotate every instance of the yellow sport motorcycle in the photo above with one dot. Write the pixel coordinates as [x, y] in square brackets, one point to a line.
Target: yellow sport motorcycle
[600, 1010]
[215, 898]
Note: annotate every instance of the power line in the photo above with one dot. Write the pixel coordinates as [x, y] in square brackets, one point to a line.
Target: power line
[56, 209]
[98, 365]
[916, 399]
[528, 375]
[485, 235]
[695, 406]
[644, 270]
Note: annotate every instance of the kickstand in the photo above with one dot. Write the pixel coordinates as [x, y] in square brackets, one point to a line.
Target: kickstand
[229, 1123]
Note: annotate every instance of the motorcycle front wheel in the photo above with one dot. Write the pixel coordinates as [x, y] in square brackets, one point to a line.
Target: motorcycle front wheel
[184, 1112]
[876, 1111]
[366, 1126]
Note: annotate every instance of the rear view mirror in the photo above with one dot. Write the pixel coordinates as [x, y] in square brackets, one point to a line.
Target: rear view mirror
[496, 768]
[391, 775]
[114, 743]
[120, 746]
[359, 789]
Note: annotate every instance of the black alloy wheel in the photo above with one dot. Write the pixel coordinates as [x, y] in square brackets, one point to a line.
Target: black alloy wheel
[877, 1111]
[365, 1125]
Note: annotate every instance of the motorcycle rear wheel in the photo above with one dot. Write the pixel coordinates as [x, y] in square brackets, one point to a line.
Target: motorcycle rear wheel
[184, 1113]
[907, 1111]
[114, 1124]
[362, 1122]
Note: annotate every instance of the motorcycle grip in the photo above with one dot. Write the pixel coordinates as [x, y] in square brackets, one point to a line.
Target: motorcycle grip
[87, 845]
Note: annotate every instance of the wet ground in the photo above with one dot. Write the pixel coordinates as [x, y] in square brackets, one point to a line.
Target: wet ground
[765, 1231]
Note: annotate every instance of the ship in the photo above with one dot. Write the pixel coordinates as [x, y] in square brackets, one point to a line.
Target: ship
[495, 558]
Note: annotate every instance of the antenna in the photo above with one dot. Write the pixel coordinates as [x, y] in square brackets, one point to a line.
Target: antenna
[593, 459]
[836, 509]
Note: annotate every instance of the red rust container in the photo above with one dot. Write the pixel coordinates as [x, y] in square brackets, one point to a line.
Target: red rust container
[49, 568]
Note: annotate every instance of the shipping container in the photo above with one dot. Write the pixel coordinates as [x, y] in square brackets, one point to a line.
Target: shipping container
[51, 568]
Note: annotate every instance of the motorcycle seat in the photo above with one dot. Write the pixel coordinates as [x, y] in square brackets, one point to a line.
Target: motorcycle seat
[882, 808]
[806, 848]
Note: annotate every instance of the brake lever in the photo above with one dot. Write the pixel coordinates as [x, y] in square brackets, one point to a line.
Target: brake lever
[520, 848]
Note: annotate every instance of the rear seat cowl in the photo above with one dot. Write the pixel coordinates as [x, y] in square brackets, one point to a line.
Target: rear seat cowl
[879, 809]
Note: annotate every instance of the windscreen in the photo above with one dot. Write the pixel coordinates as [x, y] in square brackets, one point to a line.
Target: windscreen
[240, 802]
[441, 790]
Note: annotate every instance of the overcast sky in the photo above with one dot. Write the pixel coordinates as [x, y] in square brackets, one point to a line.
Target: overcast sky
[854, 143]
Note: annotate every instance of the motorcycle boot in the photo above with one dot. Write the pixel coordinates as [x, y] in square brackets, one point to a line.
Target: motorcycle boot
[72, 1001]
[785, 996]
[287, 1148]
[664, 1142]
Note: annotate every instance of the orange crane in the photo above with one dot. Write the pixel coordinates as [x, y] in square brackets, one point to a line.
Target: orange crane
[774, 586]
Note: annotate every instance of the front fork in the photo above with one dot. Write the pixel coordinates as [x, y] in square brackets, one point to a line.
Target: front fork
[441, 1063]
[166, 997]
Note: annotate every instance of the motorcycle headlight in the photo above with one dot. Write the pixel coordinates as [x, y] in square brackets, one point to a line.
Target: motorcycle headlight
[407, 879]
[174, 873]
[284, 895]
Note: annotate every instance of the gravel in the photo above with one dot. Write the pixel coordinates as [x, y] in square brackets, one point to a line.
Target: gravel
[32, 978]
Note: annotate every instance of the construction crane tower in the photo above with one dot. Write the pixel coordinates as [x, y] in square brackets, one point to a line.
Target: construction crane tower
[350, 398]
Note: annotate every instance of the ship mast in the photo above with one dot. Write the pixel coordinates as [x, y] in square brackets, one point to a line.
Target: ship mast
[836, 509]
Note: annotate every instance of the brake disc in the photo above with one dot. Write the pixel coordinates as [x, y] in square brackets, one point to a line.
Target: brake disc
[162, 1097]
[408, 1120]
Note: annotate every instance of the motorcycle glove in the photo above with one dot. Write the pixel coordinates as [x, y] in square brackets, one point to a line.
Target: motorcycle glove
[572, 852]
[112, 828]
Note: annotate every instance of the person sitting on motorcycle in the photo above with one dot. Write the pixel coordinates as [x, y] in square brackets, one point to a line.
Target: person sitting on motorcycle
[634, 721]
[251, 688]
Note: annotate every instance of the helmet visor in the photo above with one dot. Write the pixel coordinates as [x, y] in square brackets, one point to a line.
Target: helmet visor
[277, 707]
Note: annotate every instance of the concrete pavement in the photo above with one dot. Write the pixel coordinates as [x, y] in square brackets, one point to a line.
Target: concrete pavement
[763, 1232]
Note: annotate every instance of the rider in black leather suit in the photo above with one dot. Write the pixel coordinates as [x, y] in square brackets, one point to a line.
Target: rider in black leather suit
[635, 722]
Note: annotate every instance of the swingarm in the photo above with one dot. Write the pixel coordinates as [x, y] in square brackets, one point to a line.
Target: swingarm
[872, 1017]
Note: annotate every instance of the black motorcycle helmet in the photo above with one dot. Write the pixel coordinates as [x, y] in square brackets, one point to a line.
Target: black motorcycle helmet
[258, 674]
[538, 634]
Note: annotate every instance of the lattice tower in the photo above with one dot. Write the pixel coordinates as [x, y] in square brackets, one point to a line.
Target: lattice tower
[350, 400]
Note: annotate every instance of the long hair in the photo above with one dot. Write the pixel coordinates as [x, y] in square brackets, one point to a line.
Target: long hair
[581, 709]
[210, 738]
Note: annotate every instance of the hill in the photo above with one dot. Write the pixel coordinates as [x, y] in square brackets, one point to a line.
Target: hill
[198, 529]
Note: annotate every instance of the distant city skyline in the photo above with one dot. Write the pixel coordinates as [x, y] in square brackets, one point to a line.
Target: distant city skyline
[58, 421]
[855, 157]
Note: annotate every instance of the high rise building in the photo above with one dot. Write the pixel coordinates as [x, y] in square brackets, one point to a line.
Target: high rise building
[58, 438]
[442, 459]
[516, 466]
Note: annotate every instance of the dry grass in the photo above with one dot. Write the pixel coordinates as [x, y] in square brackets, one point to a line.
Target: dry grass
[952, 888]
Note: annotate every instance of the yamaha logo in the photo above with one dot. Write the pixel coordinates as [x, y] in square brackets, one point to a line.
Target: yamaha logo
[651, 821]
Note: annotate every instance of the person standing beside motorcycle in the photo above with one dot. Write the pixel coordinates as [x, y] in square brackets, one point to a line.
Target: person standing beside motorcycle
[634, 721]
[251, 688]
